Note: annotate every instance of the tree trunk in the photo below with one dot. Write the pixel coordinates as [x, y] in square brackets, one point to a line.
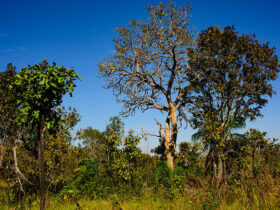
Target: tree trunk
[170, 142]
[210, 162]
[167, 151]
[219, 176]
[41, 144]
[3, 151]
[253, 163]
[225, 172]
[174, 130]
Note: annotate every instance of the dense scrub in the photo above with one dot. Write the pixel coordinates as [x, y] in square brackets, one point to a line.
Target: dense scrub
[122, 176]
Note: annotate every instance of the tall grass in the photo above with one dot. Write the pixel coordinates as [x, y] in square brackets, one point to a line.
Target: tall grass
[236, 198]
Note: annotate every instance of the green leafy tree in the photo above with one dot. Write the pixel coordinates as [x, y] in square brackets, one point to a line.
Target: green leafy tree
[271, 157]
[233, 149]
[113, 133]
[150, 70]
[94, 140]
[39, 90]
[10, 135]
[256, 140]
[121, 151]
[132, 153]
[116, 164]
[8, 111]
[189, 154]
[130, 146]
[235, 80]
[59, 152]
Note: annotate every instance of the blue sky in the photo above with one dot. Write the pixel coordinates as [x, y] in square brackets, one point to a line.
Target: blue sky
[79, 34]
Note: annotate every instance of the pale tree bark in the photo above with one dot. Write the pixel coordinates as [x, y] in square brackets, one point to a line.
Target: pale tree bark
[169, 135]
[167, 144]
[17, 170]
[171, 138]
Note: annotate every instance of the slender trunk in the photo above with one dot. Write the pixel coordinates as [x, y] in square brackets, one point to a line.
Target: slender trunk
[3, 151]
[225, 174]
[41, 161]
[253, 163]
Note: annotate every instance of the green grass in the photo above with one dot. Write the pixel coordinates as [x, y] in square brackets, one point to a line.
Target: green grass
[149, 203]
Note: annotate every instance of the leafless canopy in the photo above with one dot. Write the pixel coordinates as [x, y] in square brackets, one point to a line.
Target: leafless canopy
[149, 68]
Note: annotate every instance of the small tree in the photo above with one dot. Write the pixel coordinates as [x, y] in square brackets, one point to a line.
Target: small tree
[256, 140]
[59, 151]
[121, 151]
[235, 80]
[39, 90]
[149, 68]
[10, 131]
[94, 141]
[8, 111]
[189, 154]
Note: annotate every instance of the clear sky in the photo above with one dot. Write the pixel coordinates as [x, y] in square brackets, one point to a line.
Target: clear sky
[79, 34]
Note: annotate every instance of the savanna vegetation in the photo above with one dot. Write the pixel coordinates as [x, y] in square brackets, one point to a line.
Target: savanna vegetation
[215, 82]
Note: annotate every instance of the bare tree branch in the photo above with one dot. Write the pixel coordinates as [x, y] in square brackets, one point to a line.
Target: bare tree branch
[17, 170]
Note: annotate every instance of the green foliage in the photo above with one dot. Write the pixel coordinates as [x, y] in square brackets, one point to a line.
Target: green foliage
[8, 107]
[235, 79]
[130, 147]
[120, 162]
[91, 137]
[89, 180]
[159, 150]
[60, 153]
[271, 158]
[236, 72]
[38, 91]
[162, 174]
[255, 142]
[40, 88]
[151, 179]
[189, 154]
[169, 182]
[94, 140]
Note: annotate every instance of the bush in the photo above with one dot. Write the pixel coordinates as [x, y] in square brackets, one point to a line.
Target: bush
[90, 180]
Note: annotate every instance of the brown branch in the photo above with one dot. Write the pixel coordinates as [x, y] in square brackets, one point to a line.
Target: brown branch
[183, 91]
[153, 134]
